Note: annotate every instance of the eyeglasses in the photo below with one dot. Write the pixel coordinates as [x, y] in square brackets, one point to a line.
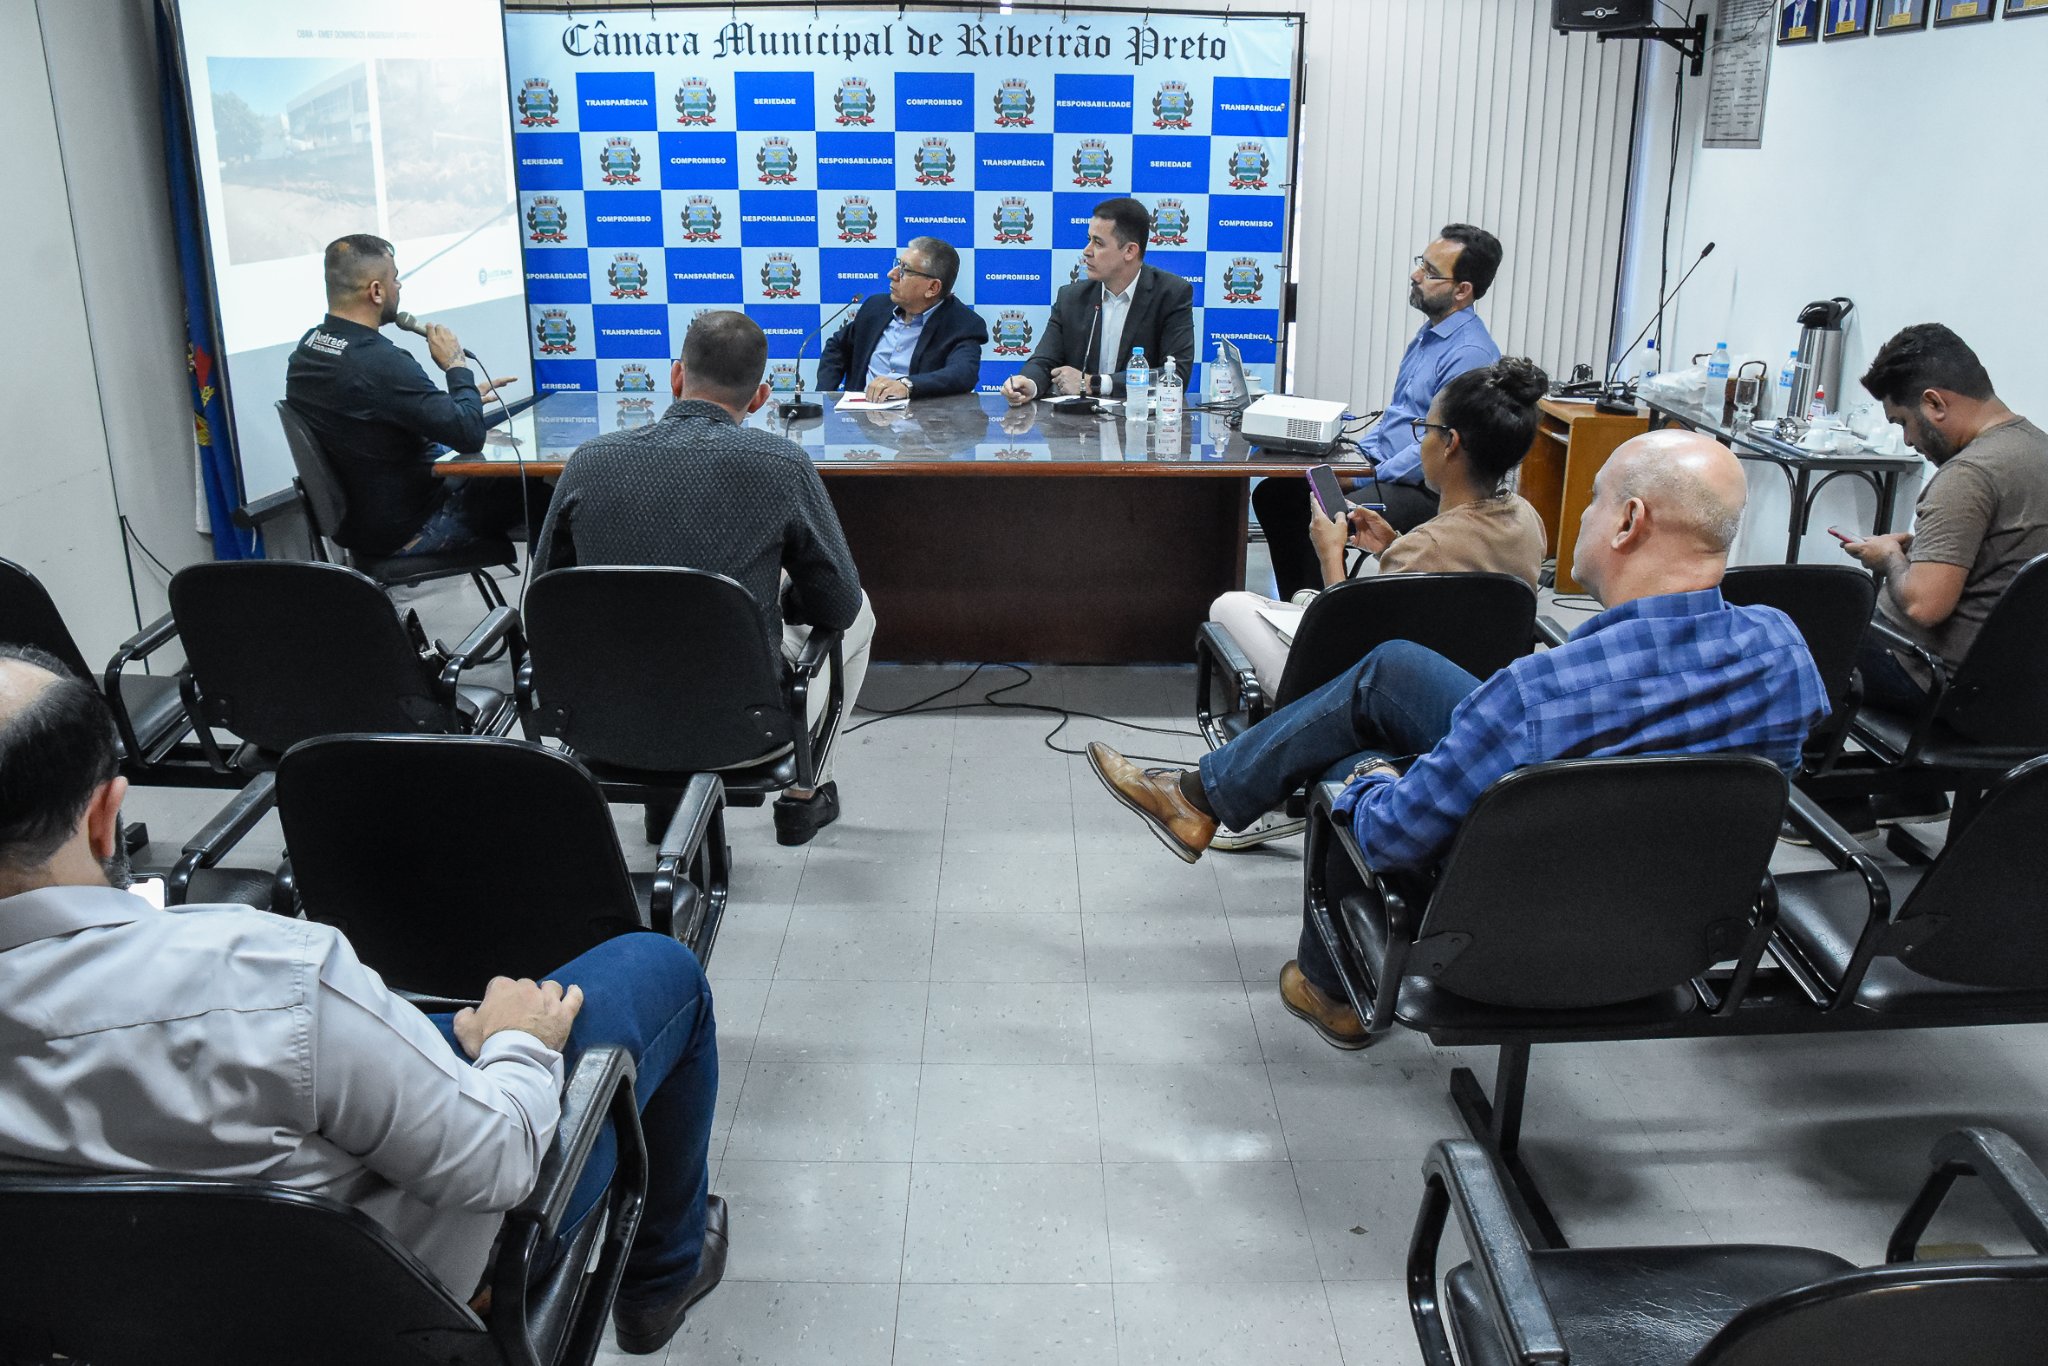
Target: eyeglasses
[1429, 271]
[909, 269]
[1420, 425]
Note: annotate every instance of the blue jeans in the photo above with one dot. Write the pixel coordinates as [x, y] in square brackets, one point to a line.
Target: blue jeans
[476, 510]
[1395, 703]
[647, 994]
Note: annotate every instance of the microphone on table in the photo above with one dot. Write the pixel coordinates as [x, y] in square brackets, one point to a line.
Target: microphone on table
[795, 408]
[1618, 398]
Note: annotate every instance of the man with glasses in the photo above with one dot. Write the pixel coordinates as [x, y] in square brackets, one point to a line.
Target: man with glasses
[916, 340]
[1453, 273]
[1121, 304]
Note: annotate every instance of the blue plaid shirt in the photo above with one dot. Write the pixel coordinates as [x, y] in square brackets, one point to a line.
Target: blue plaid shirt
[1679, 673]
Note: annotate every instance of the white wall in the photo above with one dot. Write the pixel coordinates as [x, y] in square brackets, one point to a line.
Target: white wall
[57, 514]
[1900, 171]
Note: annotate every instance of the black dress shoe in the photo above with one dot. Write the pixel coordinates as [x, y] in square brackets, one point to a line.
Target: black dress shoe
[647, 1328]
[797, 819]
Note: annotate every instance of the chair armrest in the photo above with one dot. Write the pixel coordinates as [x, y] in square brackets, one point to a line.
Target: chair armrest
[817, 650]
[502, 623]
[600, 1090]
[227, 829]
[1215, 645]
[1937, 693]
[695, 818]
[1842, 850]
[2001, 1164]
[1461, 1177]
[1549, 632]
[141, 645]
[601, 1077]
[254, 514]
[821, 648]
[1384, 977]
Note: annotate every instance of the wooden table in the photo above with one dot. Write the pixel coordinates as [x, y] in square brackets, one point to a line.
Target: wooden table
[984, 532]
[1572, 442]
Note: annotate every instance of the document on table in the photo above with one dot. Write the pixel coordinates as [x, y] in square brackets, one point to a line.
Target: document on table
[856, 403]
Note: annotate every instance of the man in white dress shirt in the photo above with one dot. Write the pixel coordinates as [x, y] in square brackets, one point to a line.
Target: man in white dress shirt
[222, 1041]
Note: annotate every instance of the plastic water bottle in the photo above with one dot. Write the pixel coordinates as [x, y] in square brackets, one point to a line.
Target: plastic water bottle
[1221, 390]
[1817, 411]
[1717, 364]
[1787, 377]
[1137, 383]
[1170, 392]
[1648, 369]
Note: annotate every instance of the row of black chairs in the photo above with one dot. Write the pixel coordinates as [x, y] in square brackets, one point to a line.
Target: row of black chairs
[1632, 898]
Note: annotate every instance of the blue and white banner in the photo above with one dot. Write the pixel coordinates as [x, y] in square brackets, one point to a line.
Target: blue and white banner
[673, 161]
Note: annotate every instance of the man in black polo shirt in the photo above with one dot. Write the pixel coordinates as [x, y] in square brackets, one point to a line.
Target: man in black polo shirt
[700, 489]
[383, 423]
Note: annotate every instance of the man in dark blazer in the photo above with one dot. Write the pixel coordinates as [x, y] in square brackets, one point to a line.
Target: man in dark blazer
[915, 341]
[1122, 303]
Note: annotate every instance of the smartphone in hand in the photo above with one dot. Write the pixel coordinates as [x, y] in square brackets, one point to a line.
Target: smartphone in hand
[1844, 537]
[1322, 481]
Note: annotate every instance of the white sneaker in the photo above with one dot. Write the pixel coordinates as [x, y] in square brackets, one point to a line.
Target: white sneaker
[1274, 825]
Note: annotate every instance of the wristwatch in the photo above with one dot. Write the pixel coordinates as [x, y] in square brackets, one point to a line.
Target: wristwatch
[906, 386]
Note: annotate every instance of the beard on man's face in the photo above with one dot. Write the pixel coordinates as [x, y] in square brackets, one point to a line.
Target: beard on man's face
[1927, 439]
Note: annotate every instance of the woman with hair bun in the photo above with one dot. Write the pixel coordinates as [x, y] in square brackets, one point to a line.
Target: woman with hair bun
[1476, 433]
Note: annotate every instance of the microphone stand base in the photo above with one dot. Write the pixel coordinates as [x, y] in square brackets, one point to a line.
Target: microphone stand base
[799, 410]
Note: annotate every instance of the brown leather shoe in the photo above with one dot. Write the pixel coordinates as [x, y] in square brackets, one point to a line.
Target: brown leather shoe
[1154, 793]
[1335, 1020]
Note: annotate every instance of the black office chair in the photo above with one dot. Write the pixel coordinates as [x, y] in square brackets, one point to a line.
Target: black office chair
[148, 712]
[427, 850]
[169, 1271]
[1480, 622]
[281, 651]
[649, 675]
[1982, 716]
[1963, 940]
[1723, 1304]
[1527, 934]
[326, 503]
[1831, 604]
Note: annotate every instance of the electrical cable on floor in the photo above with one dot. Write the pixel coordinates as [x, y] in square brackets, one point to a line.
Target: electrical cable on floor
[923, 707]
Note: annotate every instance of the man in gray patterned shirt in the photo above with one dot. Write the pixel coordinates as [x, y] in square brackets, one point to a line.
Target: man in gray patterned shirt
[702, 490]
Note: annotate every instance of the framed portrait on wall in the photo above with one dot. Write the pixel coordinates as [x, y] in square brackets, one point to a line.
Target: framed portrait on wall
[1846, 19]
[1899, 16]
[1948, 12]
[1799, 21]
[2015, 8]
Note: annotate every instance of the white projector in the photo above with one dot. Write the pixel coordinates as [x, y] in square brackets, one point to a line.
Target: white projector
[1295, 426]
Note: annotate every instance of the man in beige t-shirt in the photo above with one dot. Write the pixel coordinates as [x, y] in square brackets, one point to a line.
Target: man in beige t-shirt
[1981, 517]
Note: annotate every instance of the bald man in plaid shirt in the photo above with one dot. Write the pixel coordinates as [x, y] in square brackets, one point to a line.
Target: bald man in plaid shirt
[1666, 668]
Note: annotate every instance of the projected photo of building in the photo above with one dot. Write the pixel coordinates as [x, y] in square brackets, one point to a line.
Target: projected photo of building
[292, 141]
[445, 166]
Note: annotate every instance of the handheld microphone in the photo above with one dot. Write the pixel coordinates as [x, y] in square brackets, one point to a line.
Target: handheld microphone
[795, 409]
[1613, 401]
[406, 322]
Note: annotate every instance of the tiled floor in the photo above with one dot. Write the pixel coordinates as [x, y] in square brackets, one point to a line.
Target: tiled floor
[1004, 1082]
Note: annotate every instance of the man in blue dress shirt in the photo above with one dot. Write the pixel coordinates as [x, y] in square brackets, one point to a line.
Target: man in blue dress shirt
[1667, 668]
[916, 340]
[1452, 274]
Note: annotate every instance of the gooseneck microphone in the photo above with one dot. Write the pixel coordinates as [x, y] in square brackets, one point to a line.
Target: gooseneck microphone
[1620, 397]
[796, 408]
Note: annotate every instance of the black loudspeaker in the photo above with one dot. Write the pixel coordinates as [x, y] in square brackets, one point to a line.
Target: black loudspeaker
[1600, 16]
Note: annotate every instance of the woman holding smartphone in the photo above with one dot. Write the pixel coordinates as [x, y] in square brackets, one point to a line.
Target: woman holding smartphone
[1476, 433]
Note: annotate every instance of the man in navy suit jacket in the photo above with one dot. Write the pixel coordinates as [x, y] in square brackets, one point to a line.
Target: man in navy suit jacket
[915, 340]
